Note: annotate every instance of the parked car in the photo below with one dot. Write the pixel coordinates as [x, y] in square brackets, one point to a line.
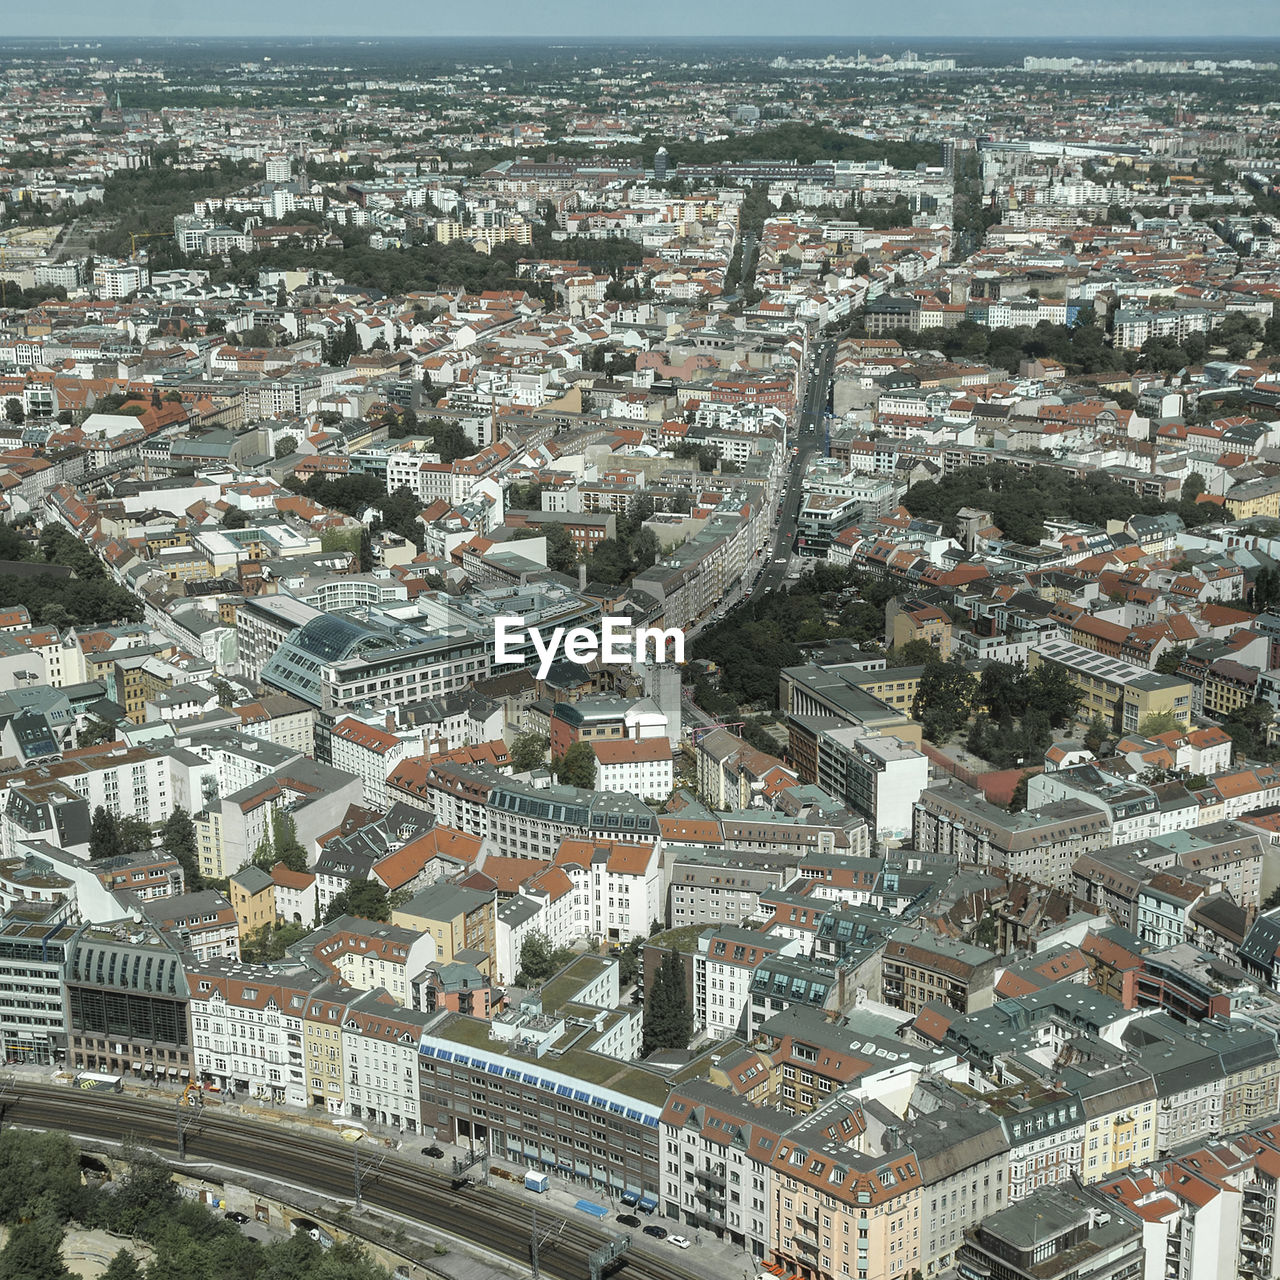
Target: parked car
[433, 1151]
[680, 1242]
[628, 1219]
[658, 1233]
[238, 1218]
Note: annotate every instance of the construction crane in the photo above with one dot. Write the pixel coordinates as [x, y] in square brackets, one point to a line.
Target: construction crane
[135, 236]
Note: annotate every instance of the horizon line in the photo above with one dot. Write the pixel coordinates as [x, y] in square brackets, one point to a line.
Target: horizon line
[918, 37]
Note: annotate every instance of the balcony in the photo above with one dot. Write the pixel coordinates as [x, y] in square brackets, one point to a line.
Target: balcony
[803, 1215]
[714, 1174]
[805, 1244]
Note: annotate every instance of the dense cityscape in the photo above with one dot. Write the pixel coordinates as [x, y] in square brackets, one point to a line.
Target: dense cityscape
[655, 659]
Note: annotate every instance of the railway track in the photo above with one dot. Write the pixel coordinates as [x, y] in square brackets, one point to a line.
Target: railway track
[500, 1222]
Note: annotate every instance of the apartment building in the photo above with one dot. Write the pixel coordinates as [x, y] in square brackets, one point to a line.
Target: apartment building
[953, 821]
[724, 967]
[642, 768]
[1122, 693]
[370, 753]
[878, 775]
[247, 1028]
[840, 1209]
[380, 1061]
[367, 955]
[964, 1164]
[322, 1021]
[917, 966]
[709, 886]
[1059, 1233]
[526, 821]
[617, 887]
[716, 1169]
[454, 920]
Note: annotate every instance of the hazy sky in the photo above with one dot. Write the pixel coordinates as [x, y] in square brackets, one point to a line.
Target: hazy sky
[1152, 19]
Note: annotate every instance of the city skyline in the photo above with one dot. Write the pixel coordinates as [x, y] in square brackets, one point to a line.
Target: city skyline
[915, 19]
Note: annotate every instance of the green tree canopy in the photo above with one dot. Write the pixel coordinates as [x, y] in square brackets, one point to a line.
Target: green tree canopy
[366, 899]
[104, 834]
[577, 767]
[529, 751]
[668, 1015]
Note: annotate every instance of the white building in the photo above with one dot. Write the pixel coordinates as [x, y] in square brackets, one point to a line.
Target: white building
[723, 968]
[246, 1029]
[370, 753]
[618, 888]
[645, 768]
[380, 1061]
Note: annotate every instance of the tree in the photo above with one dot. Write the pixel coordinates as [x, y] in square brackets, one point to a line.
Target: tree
[32, 1251]
[1170, 660]
[577, 767]
[104, 834]
[234, 519]
[1192, 487]
[1018, 801]
[1051, 689]
[535, 958]
[610, 562]
[987, 933]
[13, 410]
[943, 699]
[915, 653]
[178, 836]
[285, 446]
[1159, 722]
[135, 835]
[668, 1016]
[366, 899]
[226, 694]
[529, 751]
[1096, 734]
[124, 1266]
[95, 731]
[271, 942]
[562, 556]
[285, 843]
[1248, 727]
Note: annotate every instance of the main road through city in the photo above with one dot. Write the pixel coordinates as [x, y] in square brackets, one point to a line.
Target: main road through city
[806, 439]
[498, 1221]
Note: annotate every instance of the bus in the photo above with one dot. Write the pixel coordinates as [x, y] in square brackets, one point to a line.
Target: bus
[99, 1082]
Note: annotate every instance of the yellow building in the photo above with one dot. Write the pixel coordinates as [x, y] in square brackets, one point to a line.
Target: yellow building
[1121, 1128]
[322, 1044]
[1122, 693]
[253, 899]
[1228, 685]
[1256, 498]
[915, 620]
[456, 919]
[184, 564]
[840, 1211]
